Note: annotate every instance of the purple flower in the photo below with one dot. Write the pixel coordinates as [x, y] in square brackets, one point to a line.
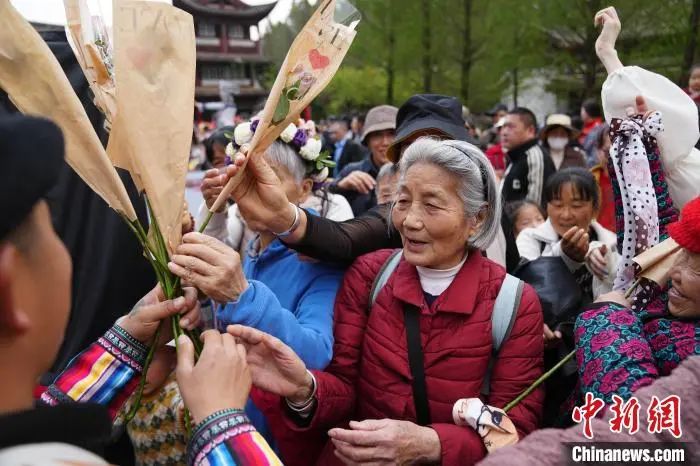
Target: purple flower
[254, 125]
[227, 160]
[300, 138]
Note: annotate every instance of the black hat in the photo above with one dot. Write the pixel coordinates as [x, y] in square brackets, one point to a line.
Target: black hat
[31, 157]
[497, 108]
[428, 112]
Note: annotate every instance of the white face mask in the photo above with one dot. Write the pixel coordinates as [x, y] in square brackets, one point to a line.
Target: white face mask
[556, 143]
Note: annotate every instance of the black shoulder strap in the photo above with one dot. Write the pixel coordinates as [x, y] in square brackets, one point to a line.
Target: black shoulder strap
[411, 317]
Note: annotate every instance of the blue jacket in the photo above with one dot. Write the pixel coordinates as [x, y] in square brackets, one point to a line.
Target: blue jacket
[291, 299]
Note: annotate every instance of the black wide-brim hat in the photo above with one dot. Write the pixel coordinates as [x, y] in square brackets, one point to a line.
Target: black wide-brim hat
[422, 112]
[31, 157]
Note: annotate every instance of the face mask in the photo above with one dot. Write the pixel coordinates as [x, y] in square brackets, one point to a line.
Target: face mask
[556, 143]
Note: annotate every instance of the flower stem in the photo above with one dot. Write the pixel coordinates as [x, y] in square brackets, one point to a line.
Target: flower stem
[142, 383]
[539, 381]
[206, 222]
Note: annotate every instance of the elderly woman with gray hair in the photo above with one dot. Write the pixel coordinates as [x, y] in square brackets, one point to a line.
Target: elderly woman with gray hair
[416, 329]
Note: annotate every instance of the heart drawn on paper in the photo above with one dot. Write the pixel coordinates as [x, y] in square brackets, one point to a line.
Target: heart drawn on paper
[317, 60]
[139, 57]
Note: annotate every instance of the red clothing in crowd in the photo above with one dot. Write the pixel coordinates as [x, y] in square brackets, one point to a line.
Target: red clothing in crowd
[497, 157]
[370, 378]
[589, 126]
[606, 215]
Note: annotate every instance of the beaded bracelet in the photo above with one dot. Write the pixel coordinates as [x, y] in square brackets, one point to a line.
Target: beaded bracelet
[129, 338]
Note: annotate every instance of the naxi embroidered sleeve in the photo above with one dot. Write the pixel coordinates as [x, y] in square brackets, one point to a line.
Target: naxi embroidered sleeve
[230, 440]
[105, 373]
[108, 373]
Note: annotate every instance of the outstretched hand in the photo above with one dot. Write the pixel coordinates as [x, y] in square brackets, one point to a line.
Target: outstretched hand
[260, 197]
[275, 367]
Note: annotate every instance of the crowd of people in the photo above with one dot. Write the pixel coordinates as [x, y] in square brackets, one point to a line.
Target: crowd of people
[346, 312]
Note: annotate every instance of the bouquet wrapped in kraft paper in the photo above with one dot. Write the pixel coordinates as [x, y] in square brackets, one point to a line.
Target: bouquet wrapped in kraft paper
[152, 83]
[310, 64]
[37, 85]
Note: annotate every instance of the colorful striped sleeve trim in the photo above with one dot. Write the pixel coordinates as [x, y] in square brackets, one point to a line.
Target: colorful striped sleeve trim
[105, 373]
[230, 440]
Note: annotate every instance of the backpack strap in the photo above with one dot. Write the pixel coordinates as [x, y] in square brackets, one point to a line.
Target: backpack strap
[502, 318]
[383, 276]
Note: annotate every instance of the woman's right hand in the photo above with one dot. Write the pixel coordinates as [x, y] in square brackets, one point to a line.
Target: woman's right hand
[275, 367]
[574, 244]
[551, 339]
[259, 194]
[358, 181]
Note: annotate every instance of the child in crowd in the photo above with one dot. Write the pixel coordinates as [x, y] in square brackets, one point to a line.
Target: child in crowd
[524, 214]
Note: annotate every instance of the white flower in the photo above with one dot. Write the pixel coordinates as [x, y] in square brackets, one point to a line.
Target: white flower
[289, 133]
[242, 134]
[230, 150]
[311, 150]
[321, 176]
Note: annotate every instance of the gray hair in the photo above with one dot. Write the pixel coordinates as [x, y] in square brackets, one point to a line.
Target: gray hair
[473, 171]
[388, 169]
[284, 155]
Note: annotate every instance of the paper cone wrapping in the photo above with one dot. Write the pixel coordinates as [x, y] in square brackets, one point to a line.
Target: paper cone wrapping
[82, 35]
[310, 64]
[492, 424]
[655, 263]
[154, 63]
[37, 85]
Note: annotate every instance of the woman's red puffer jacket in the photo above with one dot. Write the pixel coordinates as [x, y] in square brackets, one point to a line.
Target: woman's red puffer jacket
[369, 377]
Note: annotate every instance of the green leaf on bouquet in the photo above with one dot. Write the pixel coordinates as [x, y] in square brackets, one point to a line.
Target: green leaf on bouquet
[228, 135]
[282, 109]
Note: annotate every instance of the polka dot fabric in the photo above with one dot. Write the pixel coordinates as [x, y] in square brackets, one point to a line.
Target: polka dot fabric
[628, 154]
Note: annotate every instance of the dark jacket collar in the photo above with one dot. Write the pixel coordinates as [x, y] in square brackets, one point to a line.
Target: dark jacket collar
[83, 425]
[459, 297]
[521, 149]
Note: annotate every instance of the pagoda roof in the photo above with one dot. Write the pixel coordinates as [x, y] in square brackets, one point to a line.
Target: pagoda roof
[232, 9]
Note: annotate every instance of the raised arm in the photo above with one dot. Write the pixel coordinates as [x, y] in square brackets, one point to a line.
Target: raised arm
[605, 45]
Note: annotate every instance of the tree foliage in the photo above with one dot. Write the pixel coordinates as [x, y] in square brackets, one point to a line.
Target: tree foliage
[480, 50]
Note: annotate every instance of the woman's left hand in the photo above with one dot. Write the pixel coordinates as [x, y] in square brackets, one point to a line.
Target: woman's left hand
[209, 265]
[386, 441]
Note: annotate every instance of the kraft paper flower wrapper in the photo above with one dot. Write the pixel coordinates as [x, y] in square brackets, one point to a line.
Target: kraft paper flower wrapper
[81, 35]
[492, 424]
[310, 64]
[36, 84]
[154, 63]
[655, 263]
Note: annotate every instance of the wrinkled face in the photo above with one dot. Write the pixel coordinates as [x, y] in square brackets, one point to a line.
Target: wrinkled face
[43, 291]
[684, 295]
[515, 133]
[694, 82]
[386, 189]
[570, 210]
[430, 217]
[378, 143]
[337, 131]
[529, 216]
